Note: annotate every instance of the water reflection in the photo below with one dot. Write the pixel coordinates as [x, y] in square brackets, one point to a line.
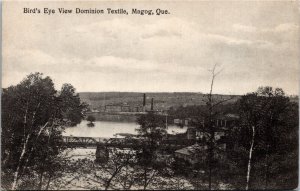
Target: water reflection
[110, 129]
[91, 125]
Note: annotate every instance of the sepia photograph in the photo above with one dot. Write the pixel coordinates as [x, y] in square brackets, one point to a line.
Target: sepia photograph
[150, 95]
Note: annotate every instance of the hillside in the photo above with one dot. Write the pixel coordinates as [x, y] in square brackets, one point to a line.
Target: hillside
[162, 101]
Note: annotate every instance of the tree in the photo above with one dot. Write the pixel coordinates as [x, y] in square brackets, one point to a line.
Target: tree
[151, 131]
[120, 172]
[152, 127]
[116, 173]
[32, 121]
[72, 108]
[111, 173]
[91, 119]
[265, 126]
[205, 122]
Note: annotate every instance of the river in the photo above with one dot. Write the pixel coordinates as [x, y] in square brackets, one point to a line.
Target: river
[110, 129]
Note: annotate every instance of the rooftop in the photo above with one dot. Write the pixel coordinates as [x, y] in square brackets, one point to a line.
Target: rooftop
[191, 149]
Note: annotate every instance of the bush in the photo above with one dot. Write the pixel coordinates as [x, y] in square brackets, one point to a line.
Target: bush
[91, 118]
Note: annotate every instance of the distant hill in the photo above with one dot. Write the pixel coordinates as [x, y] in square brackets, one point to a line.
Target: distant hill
[162, 100]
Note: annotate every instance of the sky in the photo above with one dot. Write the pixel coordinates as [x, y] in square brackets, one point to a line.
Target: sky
[253, 43]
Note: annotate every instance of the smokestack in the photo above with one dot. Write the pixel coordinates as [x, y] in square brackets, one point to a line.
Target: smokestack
[144, 100]
[144, 103]
[151, 104]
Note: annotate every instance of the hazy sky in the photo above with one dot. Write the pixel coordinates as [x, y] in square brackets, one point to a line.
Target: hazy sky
[254, 43]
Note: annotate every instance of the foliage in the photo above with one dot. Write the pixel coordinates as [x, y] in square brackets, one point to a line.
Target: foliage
[91, 118]
[275, 120]
[33, 117]
[151, 131]
[71, 106]
[119, 173]
[194, 111]
[33, 156]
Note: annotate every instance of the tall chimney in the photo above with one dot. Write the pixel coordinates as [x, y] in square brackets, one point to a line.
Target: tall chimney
[151, 104]
[144, 100]
[144, 103]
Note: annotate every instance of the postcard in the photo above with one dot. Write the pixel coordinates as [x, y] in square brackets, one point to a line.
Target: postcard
[150, 95]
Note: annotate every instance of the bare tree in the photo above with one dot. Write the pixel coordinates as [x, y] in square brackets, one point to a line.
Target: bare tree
[209, 122]
[111, 174]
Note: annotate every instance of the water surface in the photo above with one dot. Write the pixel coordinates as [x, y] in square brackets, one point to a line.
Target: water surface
[110, 129]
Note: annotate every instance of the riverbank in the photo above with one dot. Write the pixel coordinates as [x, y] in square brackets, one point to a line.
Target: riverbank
[114, 117]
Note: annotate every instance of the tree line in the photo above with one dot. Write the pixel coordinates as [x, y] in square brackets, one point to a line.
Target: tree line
[264, 154]
[264, 140]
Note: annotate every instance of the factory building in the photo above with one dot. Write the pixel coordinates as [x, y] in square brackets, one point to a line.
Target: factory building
[116, 108]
